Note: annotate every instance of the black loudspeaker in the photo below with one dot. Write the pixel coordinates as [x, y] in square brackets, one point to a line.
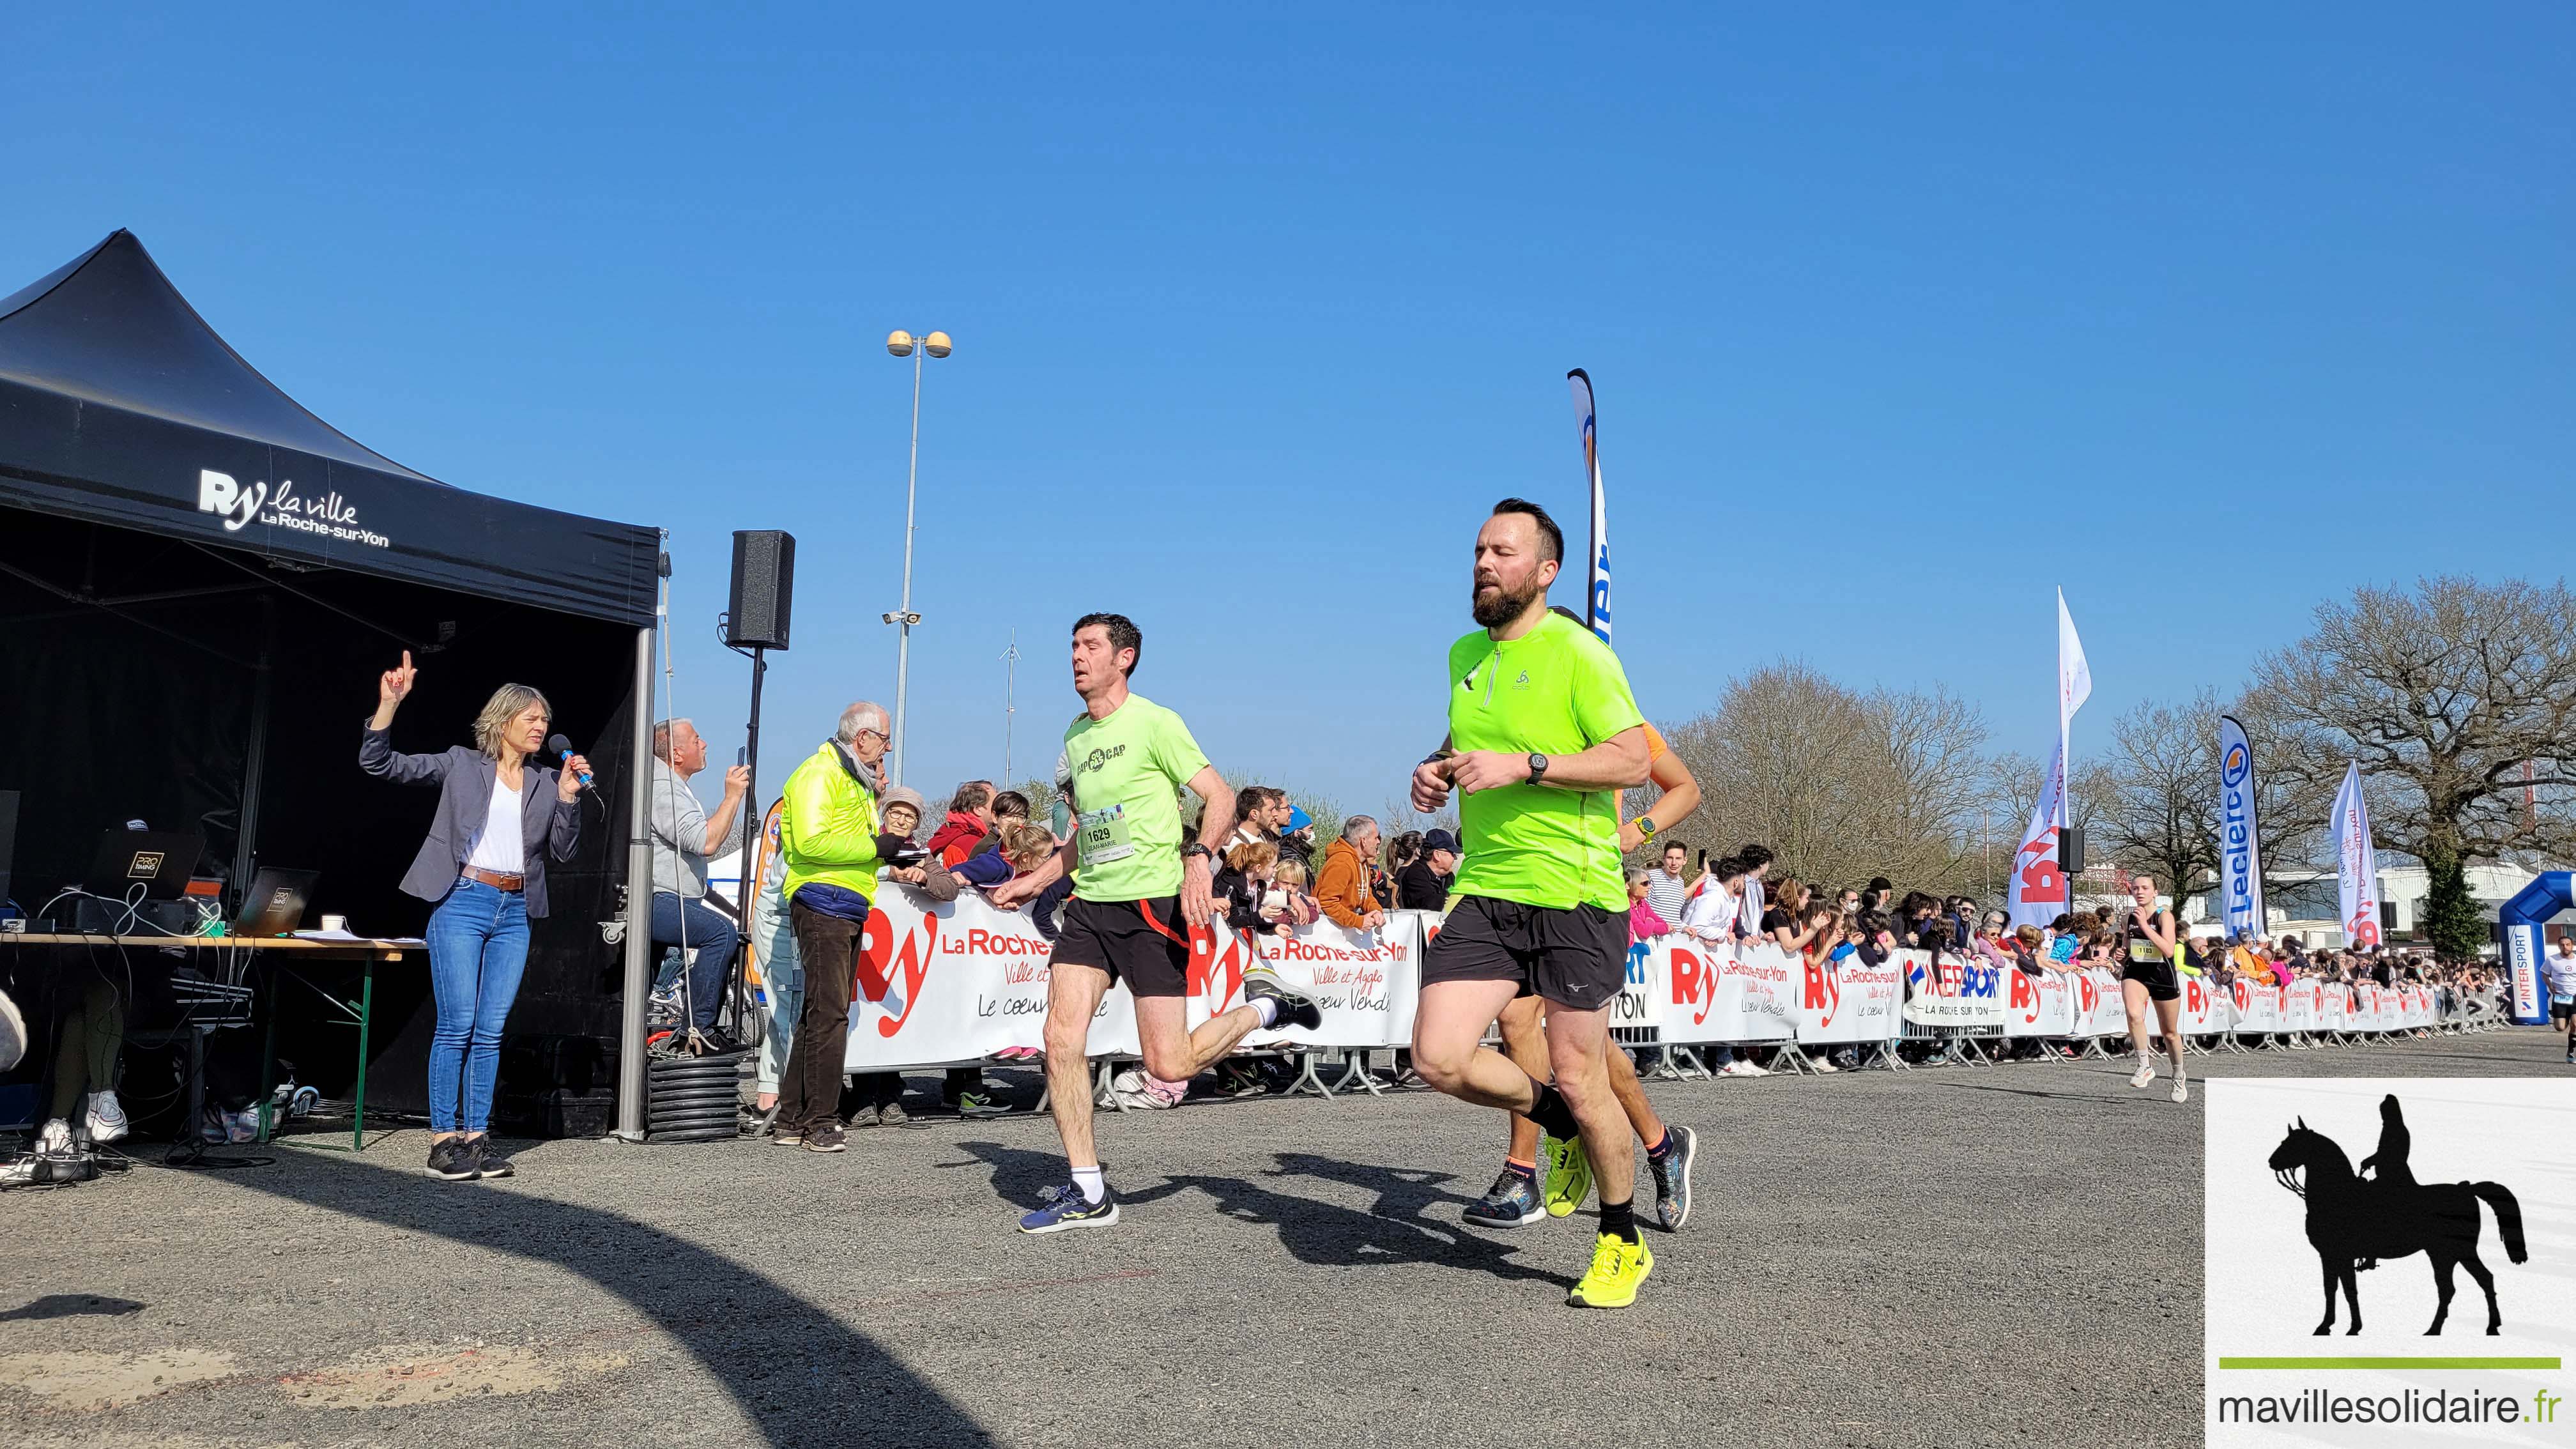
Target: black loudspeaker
[764, 576]
[2070, 850]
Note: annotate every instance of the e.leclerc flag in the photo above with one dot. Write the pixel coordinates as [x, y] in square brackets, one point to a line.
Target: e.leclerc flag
[1596, 607]
[2240, 845]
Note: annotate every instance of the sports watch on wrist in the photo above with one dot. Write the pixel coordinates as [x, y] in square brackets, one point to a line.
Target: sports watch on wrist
[1538, 767]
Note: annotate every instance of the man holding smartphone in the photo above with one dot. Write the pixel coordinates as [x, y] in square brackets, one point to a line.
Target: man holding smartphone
[1543, 734]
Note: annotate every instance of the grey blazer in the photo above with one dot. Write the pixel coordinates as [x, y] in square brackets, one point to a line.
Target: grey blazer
[464, 777]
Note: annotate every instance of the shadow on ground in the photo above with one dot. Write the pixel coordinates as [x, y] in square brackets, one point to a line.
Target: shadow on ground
[798, 1374]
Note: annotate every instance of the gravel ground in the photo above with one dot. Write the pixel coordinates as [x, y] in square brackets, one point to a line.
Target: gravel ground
[1288, 1270]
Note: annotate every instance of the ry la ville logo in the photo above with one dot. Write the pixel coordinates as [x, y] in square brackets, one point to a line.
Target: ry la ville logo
[329, 515]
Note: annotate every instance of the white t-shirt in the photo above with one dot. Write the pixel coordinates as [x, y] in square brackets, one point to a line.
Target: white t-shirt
[2560, 973]
[1711, 914]
[497, 847]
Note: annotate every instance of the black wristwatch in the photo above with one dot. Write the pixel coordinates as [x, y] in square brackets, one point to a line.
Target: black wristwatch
[1197, 849]
[1538, 767]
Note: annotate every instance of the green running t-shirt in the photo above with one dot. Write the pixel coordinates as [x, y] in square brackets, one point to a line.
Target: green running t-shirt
[1559, 691]
[1125, 773]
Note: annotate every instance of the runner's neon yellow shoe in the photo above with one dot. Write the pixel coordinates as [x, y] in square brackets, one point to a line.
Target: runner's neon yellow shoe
[1569, 1174]
[1618, 1266]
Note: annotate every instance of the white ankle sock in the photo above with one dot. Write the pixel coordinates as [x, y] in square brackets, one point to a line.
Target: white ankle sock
[1094, 1186]
[1267, 1008]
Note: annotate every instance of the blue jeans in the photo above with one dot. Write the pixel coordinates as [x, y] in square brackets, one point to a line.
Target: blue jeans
[711, 936]
[782, 984]
[478, 947]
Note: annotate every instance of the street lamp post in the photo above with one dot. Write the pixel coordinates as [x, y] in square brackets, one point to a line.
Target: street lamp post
[902, 344]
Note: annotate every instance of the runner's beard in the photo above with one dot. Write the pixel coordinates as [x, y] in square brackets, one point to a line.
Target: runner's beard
[1502, 605]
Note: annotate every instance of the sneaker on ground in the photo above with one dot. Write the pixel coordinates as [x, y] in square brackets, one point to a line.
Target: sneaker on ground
[1566, 1174]
[1618, 1266]
[1673, 1178]
[1511, 1203]
[1067, 1208]
[1824, 1064]
[1296, 1008]
[827, 1139]
[54, 1139]
[1752, 1069]
[488, 1162]
[2182, 1090]
[106, 1118]
[982, 1102]
[1736, 1069]
[449, 1158]
[787, 1136]
[710, 1041]
[2145, 1073]
[892, 1114]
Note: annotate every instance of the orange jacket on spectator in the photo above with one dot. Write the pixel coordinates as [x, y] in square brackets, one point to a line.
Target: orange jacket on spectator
[1343, 889]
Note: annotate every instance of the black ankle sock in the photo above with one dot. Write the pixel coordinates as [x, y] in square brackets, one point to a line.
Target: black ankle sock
[1663, 1147]
[1620, 1218]
[1552, 1115]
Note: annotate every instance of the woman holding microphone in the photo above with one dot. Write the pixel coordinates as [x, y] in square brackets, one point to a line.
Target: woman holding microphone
[499, 816]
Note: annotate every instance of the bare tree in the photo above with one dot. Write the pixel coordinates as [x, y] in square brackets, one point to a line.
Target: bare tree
[1843, 785]
[2447, 695]
[2155, 800]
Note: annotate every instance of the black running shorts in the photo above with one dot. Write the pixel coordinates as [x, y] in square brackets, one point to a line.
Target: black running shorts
[1142, 943]
[2157, 976]
[1576, 958]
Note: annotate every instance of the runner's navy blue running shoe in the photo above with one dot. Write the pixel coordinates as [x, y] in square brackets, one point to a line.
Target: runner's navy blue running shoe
[1066, 1208]
[1513, 1203]
[1673, 1178]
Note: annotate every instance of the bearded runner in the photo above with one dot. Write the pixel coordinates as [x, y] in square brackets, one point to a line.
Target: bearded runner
[1138, 892]
[1516, 1199]
[1543, 734]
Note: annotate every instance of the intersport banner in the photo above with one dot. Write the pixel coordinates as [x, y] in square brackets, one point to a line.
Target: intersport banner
[1955, 993]
[2240, 848]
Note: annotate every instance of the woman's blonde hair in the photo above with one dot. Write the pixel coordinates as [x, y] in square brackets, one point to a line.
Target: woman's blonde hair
[1026, 845]
[500, 709]
[1252, 856]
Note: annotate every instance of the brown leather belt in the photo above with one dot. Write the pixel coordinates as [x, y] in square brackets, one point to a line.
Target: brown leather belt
[494, 879]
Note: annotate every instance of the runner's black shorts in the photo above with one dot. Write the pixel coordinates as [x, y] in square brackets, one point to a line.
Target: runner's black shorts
[2157, 976]
[1575, 957]
[1142, 943]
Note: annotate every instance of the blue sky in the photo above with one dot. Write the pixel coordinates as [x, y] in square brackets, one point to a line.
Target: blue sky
[1900, 316]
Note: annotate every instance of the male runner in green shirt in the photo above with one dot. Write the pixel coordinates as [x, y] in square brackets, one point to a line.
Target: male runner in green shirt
[1543, 734]
[1137, 895]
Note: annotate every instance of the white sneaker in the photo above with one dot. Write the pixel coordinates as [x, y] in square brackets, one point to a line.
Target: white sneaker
[2145, 1073]
[1751, 1070]
[54, 1139]
[1822, 1065]
[2182, 1090]
[106, 1118]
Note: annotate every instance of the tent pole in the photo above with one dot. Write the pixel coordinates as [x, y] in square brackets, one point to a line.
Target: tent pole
[255, 768]
[639, 901]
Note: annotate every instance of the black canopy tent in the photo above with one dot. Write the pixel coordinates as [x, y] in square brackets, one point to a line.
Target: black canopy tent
[200, 581]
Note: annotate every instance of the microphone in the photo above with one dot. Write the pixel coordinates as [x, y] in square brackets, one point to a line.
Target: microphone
[563, 747]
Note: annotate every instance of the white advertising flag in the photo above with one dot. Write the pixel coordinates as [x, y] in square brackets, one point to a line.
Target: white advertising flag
[1596, 604]
[2356, 862]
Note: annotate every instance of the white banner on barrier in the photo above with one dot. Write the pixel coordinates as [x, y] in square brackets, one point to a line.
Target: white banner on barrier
[1849, 1001]
[954, 982]
[2200, 1013]
[2099, 1009]
[1638, 1006]
[1724, 994]
[1956, 994]
[2299, 1005]
[1355, 977]
[2258, 1008]
[2041, 1005]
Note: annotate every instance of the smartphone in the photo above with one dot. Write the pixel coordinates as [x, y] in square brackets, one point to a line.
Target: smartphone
[742, 754]
[1703, 860]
